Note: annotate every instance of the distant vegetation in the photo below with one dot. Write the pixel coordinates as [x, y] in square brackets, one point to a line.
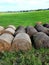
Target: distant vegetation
[26, 10]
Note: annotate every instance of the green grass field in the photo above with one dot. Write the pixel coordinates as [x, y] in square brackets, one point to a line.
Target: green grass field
[26, 18]
[31, 57]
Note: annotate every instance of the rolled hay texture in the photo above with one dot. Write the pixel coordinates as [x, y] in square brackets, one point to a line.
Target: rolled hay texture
[41, 40]
[21, 42]
[12, 26]
[31, 30]
[9, 30]
[46, 25]
[5, 41]
[41, 28]
[20, 29]
[1, 30]
[39, 22]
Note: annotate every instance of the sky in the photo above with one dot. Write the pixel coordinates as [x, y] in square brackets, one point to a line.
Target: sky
[17, 5]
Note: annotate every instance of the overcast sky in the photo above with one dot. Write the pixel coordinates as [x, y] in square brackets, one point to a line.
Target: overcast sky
[16, 5]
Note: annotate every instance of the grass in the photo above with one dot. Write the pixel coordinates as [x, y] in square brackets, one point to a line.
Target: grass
[31, 57]
[26, 18]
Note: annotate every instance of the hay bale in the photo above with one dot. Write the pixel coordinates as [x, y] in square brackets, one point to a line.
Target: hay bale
[9, 30]
[41, 28]
[46, 25]
[22, 42]
[30, 30]
[39, 22]
[41, 40]
[1, 29]
[5, 41]
[12, 26]
[20, 29]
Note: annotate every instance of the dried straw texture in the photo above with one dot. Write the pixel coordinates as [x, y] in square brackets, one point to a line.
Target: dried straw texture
[22, 42]
[12, 26]
[31, 30]
[1, 30]
[9, 30]
[41, 40]
[20, 29]
[5, 41]
[41, 28]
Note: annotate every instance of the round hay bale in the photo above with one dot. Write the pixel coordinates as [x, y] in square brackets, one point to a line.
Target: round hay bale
[20, 29]
[9, 30]
[1, 29]
[41, 40]
[39, 22]
[30, 30]
[12, 26]
[46, 25]
[21, 42]
[41, 28]
[5, 41]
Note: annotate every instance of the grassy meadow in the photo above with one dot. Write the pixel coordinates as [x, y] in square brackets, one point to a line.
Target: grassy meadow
[24, 18]
[33, 56]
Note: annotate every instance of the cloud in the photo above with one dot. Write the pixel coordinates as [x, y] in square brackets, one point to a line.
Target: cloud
[7, 5]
